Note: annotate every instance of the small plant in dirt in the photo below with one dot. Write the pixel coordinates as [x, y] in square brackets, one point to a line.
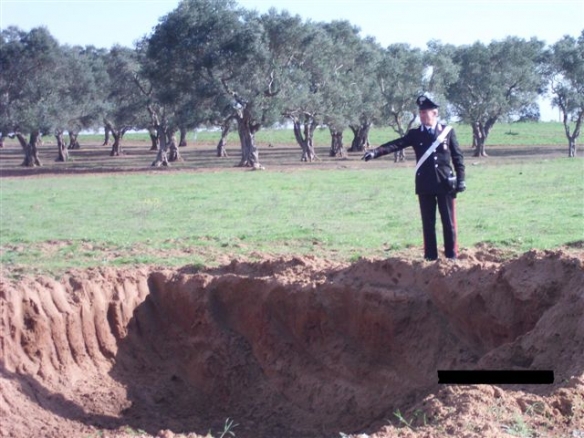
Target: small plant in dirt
[518, 427]
[227, 428]
[134, 432]
[419, 418]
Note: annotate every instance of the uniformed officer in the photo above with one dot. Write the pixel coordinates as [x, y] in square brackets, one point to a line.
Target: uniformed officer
[436, 147]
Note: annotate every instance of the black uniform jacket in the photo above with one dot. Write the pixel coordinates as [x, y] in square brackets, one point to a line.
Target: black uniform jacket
[432, 176]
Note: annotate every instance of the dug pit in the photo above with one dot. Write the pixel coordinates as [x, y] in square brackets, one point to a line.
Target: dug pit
[296, 347]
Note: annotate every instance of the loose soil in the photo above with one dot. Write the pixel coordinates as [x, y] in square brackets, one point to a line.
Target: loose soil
[296, 347]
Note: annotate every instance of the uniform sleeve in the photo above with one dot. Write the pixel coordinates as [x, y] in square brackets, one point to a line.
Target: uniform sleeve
[394, 145]
[457, 157]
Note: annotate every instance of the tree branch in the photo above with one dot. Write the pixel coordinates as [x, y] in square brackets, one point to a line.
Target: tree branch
[139, 85]
[233, 93]
[269, 92]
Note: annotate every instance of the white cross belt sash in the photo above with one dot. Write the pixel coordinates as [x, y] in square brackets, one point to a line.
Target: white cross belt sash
[432, 148]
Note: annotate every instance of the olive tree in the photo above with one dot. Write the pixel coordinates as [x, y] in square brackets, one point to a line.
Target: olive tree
[31, 87]
[494, 82]
[344, 99]
[441, 72]
[125, 102]
[229, 58]
[565, 70]
[401, 78]
[367, 100]
[82, 71]
[304, 106]
[181, 57]
[178, 99]
[256, 75]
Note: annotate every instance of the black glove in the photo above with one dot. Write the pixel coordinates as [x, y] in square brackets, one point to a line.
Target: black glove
[369, 155]
[460, 186]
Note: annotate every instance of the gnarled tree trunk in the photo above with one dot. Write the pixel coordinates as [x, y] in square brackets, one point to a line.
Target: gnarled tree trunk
[118, 134]
[247, 130]
[117, 144]
[572, 137]
[173, 154]
[478, 141]
[106, 136]
[73, 140]
[162, 155]
[21, 140]
[480, 148]
[63, 153]
[183, 137]
[304, 134]
[337, 149]
[360, 137]
[572, 148]
[153, 138]
[225, 128]
[31, 157]
[480, 132]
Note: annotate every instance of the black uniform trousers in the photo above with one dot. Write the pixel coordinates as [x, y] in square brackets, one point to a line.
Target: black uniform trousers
[447, 208]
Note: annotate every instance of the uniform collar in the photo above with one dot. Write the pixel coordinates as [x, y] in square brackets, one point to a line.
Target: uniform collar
[436, 129]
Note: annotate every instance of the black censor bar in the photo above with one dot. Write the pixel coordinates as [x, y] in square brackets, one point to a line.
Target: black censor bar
[499, 377]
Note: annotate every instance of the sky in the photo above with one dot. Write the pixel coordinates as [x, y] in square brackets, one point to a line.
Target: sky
[104, 23]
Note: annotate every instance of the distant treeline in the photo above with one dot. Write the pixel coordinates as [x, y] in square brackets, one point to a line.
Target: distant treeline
[211, 63]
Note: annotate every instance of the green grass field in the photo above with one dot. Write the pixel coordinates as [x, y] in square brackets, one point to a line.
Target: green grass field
[345, 211]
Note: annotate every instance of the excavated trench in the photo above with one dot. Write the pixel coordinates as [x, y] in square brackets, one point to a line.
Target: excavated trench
[287, 348]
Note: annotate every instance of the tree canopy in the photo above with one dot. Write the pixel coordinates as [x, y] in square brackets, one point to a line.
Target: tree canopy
[212, 62]
[495, 81]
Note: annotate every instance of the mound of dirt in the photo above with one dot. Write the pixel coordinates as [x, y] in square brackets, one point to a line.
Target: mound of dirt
[296, 347]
